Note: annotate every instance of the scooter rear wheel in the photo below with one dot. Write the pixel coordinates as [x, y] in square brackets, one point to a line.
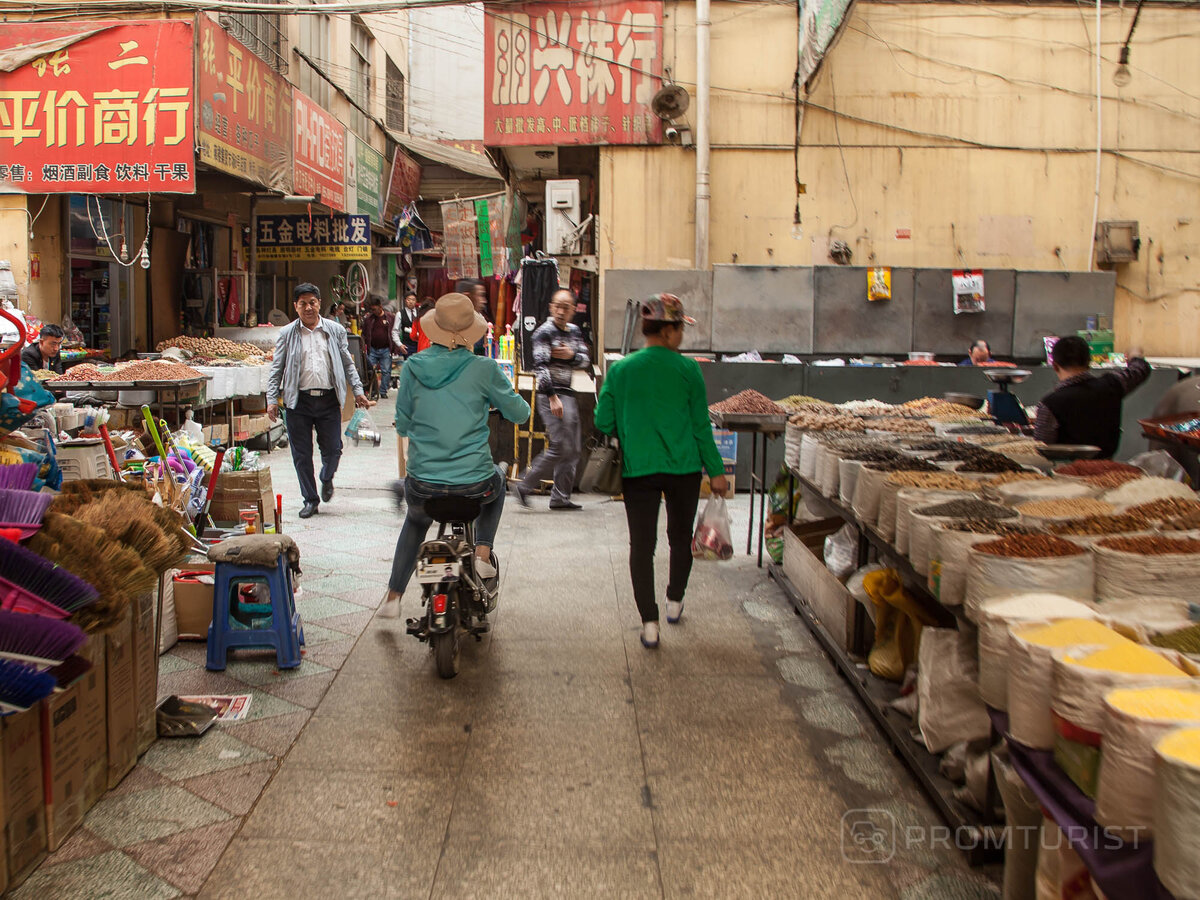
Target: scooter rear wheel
[446, 652]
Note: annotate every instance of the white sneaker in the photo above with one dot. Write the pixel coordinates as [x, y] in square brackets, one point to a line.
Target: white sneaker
[391, 606]
[485, 569]
[650, 635]
[674, 611]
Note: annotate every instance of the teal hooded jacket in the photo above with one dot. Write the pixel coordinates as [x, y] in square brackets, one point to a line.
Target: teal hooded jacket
[442, 408]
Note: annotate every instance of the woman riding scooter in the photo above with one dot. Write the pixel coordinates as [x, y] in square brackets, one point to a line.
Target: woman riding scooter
[442, 407]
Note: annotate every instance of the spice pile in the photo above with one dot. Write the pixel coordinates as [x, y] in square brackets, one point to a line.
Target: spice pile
[1166, 508]
[749, 402]
[1031, 546]
[1110, 480]
[1190, 522]
[1023, 475]
[1086, 467]
[939, 480]
[1116, 524]
[969, 510]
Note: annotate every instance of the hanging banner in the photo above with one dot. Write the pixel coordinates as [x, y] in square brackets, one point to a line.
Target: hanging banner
[364, 178]
[820, 23]
[319, 149]
[245, 111]
[968, 291]
[316, 237]
[579, 73]
[462, 245]
[404, 185]
[484, 232]
[97, 107]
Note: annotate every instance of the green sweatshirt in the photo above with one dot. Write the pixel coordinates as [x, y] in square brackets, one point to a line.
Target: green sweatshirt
[654, 402]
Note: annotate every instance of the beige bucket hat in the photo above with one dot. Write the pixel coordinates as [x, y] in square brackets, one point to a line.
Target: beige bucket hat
[453, 322]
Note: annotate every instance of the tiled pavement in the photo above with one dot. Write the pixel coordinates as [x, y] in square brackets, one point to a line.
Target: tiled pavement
[565, 760]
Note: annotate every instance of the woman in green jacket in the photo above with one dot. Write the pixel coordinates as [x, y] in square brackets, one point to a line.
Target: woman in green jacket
[654, 402]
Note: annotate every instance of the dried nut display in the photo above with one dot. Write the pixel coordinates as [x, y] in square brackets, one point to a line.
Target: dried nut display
[1023, 475]
[82, 372]
[212, 347]
[937, 480]
[1073, 508]
[749, 402]
[1190, 522]
[1151, 546]
[1166, 508]
[1085, 467]
[899, 425]
[818, 419]
[1109, 480]
[1031, 546]
[867, 408]
[1115, 524]
[149, 370]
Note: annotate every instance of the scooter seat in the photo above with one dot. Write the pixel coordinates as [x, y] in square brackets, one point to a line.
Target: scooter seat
[452, 509]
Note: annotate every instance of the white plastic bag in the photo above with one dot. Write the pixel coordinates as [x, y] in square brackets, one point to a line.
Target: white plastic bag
[1160, 464]
[713, 538]
[841, 551]
[948, 709]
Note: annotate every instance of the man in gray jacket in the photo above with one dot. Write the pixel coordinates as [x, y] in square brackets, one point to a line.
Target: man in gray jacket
[309, 372]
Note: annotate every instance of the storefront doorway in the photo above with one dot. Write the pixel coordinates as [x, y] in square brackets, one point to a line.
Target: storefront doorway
[101, 289]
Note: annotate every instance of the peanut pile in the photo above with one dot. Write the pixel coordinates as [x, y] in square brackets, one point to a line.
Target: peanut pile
[1032, 546]
[1097, 467]
[1166, 508]
[1073, 508]
[81, 372]
[152, 370]
[1115, 524]
[1151, 546]
[749, 402]
[211, 347]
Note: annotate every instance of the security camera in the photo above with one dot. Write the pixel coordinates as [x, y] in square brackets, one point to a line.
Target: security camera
[671, 133]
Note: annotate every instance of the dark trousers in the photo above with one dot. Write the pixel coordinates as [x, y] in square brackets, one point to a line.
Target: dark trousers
[682, 493]
[325, 415]
[563, 447]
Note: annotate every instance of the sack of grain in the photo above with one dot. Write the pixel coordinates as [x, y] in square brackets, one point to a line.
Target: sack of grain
[1030, 652]
[808, 455]
[866, 494]
[1145, 490]
[1151, 620]
[1022, 563]
[995, 619]
[1131, 567]
[1177, 812]
[848, 470]
[948, 707]
[910, 499]
[1134, 720]
[793, 437]
[949, 544]
[920, 539]
[828, 471]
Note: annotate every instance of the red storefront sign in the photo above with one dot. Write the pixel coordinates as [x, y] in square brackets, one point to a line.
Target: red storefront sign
[404, 185]
[245, 111]
[572, 73]
[97, 107]
[320, 152]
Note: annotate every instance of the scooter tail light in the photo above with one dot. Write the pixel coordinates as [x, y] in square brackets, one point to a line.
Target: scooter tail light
[439, 604]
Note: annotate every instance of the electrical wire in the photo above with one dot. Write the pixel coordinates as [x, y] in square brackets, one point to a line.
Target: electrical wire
[102, 234]
[34, 217]
[842, 151]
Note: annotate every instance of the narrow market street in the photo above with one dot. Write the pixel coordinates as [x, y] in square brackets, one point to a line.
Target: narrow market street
[564, 761]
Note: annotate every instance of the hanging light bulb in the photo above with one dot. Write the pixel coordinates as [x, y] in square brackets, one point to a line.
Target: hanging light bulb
[145, 257]
[124, 251]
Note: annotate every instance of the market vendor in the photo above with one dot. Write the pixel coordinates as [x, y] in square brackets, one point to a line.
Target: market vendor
[979, 354]
[1085, 408]
[45, 354]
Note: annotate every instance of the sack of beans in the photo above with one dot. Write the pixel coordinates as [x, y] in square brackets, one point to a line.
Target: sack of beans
[1176, 812]
[1086, 530]
[1149, 620]
[996, 617]
[949, 542]
[920, 538]
[1135, 718]
[910, 499]
[1146, 566]
[1166, 509]
[1043, 512]
[889, 519]
[866, 493]
[851, 463]
[1030, 651]
[1021, 563]
[1014, 493]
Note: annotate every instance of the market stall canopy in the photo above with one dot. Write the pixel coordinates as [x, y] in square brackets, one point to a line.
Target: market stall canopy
[472, 163]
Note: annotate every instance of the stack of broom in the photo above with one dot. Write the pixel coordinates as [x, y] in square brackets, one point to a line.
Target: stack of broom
[71, 564]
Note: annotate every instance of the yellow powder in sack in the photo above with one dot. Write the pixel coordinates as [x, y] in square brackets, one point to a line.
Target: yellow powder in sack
[1127, 658]
[1070, 633]
[1162, 704]
[1182, 745]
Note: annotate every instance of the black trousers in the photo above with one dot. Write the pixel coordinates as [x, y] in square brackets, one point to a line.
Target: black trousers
[325, 415]
[642, 495]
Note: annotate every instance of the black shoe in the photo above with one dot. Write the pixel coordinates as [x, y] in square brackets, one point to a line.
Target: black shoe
[564, 504]
[326, 491]
[309, 508]
[521, 494]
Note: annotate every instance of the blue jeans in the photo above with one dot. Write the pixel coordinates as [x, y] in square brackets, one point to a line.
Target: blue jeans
[381, 357]
[416, 523]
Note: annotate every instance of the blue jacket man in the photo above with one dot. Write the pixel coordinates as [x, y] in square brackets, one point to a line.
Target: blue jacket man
[312, 363]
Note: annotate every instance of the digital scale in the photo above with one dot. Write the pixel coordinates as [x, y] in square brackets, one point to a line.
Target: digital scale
[1003, 405]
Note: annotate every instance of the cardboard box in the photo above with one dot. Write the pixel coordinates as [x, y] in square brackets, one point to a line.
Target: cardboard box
[24, 795]
[93, 699]
[193, 602]
[145, 664]
[804, 565]
[241, 424]
[235, 489]
[62, 762]
[218, 434]
[122, 699]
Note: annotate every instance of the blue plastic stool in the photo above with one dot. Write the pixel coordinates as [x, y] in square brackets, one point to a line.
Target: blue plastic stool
[285, 633]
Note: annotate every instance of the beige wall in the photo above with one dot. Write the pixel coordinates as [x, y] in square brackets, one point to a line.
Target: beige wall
[985, 169]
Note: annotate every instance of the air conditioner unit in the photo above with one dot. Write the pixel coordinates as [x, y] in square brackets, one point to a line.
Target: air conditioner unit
[562, 217]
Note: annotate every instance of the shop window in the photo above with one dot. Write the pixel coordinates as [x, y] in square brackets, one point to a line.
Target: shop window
[394, 90]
